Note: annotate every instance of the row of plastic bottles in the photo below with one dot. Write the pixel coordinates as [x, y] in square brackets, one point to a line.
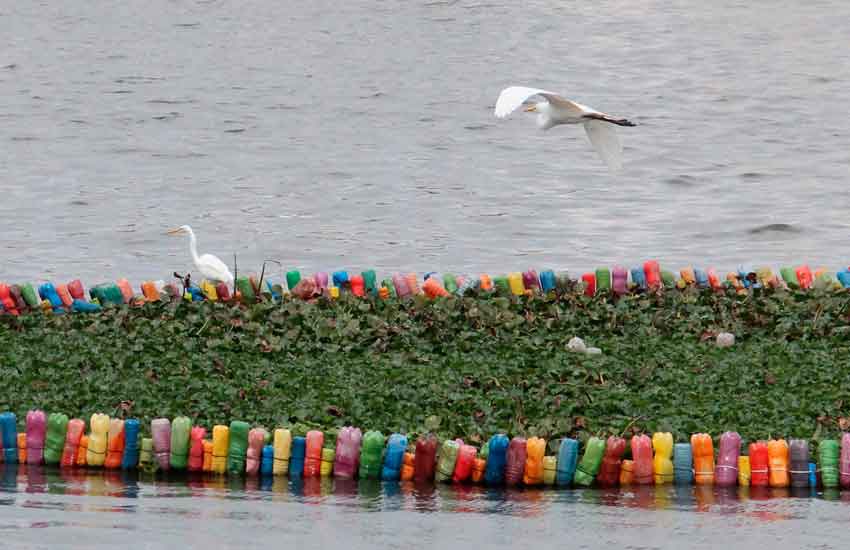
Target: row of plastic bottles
[16, 299]
[238, 449]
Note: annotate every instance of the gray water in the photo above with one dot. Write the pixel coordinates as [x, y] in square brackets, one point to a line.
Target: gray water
[49, 508]
[358, 134]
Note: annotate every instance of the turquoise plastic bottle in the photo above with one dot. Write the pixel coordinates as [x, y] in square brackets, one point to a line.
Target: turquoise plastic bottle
[57, 427]
[496, 459]
[131, 444]
[567, 462]
[370, 281]
[9, 425]
[683, 464]
[296, 461]
[267, 464]
[396, 445]
[292, 279]
[547, 280]
[639, 278]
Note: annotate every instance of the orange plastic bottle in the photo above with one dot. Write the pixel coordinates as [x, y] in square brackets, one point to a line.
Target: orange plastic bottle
[74, 432]
[714, 279]
[64, 295]
[407, 469]
[688, 275]
[82, 451]
[413, 284]
[589, 284]
[804, 275]
[479, 466]
[313, 454]
[486, 282]
[702, 448]
[114, 444]
[208, 454]
[535, 449]
[627, 472]
[150, 292]
[433, 288]
[777, 456]
[22, 448]
[196, 449]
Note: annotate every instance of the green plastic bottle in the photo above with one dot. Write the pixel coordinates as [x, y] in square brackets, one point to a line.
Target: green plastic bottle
[484, 451]
[388, 284]
[236, 453]
[30, 296]
[603, 279]
[501, 284]
[828, 459]
[790, 277]
[590, 462]
[371, 450]
[292, 279]
[57, 427]
[370, 282]
[244, 286]
[668, 279]
[450, 283]
[107, 293]
[447, 460]
[181, 427]
[146, 458]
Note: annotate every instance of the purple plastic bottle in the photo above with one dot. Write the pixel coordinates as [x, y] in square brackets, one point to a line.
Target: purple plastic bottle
[36, 428]
[161, 433]
[620, 280]
[531, 280]
[347, 452]
[322, 281]
[726, 471]
[844, 464]
[515, 467]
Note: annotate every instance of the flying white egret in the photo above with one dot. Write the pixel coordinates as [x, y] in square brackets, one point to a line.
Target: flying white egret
[210, 266]
[559, 110]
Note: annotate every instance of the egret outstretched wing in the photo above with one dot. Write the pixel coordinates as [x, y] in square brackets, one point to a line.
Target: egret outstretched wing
[605, 140]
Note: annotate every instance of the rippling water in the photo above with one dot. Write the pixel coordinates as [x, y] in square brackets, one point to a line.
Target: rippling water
[360, 134]
[49, 508]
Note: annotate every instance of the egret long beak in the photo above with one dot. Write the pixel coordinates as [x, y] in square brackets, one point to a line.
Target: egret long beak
[531, 108]
[175, 231]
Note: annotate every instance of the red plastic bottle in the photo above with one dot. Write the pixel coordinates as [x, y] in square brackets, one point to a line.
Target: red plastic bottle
[76, 289]
[223, 292]
[358, 285]
[313, 453]
[6, 299]
[17, 296]
[609, 471]
[804, 276]
[465, 461]
[642, 457]
[590, 283]
[196, 449]
[652, 272]
[759, 470]
[425, 459]
[515, 466]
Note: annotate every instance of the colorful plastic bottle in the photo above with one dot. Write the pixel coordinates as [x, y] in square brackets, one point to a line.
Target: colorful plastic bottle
[433, 289]
[181, 428]
[7, 302]
[652, 272]
[497, 457]
[254, 453]
[701, 278]
[777, 456]
[221, 447]
[396, 445]
[114, 444]
[426, 458]
[627, 473]
[321, 281]
[535, 449]
[400, 284]
[844, 464]
[486, 282]
[759, 464]
[64, 296]
[9, 428]
[267, 463]
[358, 286]
[547, 281]
[83, 450]
[609, 470]
[804, 276]
[619, 280]
[22, 448]
[531, 280]
[57, 427]
[515, 284]
[208, 456]
[668, 279]
[150, 292]
[36, 431]
[479, 468]
[714, 280]
[790, 278]
[683, 464]
[196, 449]
[603, 279]
[638, 278]
[799, 456]
[688, 275]
[209, 292]
[550, 468]
[744, 473]
[702, 448]
[292, 279]
[48, 292]
[296, 461]
[347, 452]
[313, 453]
[408, 467]
[726, 472]
[340, 279]
[515, 465]
[662, 465]
[147, 458]
[590, 462]
[282, 451]
[413, 283]
[642, 457]
[828, 460]
[589, 280]
[464, 464]
[130, 459]
[125, 289]
[97, 440]
[161, 435]
[237, 451]
[501, 285]
[567, 462]
[327, 466]
[446, 461]
[71, 441]
[844, 278]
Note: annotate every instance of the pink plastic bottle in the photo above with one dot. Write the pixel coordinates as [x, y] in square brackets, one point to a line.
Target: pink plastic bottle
[515, 466]
[256, 439]
[321, 281]
[465, 461]
[726, 471]
[161, 433]
[844, 464]
[36, 427]
[196, 449]
[347, 452]
[413, 283]
[313, 453]
[620, 280]
[531, 280]
[642, 458]
[400, 284]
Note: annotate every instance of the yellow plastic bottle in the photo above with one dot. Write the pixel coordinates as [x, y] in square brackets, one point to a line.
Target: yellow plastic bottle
[221, 442]
[662, 444]
[515, 282]
[208, 289]
[744, 471]
[535, 448]
[328, 457]
[765, 276]
[282, 451]
[550, 464]
[627, 472]
[98, 437]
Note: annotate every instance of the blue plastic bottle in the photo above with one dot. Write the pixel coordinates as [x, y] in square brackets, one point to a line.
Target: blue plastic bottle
[81, 306]
[48, 292]
[396, 445]
[567, 462]
[701, 278]
[340, 279]
[683, 464]
[131, 444]
[547, 280]
[296, 461]
[9, 427]
[267, 464]
[844, 278]
[638, 278]
[496, 460]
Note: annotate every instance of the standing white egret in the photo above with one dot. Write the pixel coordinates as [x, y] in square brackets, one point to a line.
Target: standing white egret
[210, 266]
[559, 110]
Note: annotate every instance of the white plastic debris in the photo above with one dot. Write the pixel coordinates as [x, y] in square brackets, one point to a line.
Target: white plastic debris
[594, 351]
[725, 340]
[576, 344]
